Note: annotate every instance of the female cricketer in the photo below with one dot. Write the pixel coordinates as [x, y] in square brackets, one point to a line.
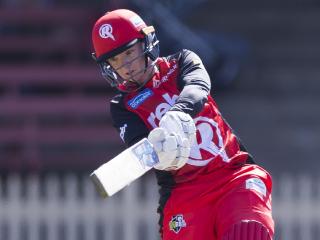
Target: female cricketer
[210, 187]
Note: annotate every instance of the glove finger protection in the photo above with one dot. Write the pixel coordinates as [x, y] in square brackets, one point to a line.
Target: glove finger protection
[179, 123]
[182, 154]
[170, 143]
[168, 154]
[184, 149]
[166, 147]
[173, 151]
[157, 137]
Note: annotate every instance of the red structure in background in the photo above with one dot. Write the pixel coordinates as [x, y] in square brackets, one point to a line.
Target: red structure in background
[53, 102]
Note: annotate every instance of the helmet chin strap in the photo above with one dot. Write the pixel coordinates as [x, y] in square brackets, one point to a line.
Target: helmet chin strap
[146, 60]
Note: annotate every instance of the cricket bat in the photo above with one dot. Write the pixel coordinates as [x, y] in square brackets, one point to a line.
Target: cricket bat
[123, 169]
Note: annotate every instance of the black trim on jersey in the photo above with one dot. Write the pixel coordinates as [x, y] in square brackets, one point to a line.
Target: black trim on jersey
[241, 145]
[135, 128]
[193, 82]
[244, 149]
[166, 183]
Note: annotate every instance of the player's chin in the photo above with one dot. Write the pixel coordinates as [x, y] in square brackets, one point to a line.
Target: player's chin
[131, 85]
[138, 80]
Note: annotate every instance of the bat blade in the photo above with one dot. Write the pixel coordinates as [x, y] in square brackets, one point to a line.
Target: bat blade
[123, 169]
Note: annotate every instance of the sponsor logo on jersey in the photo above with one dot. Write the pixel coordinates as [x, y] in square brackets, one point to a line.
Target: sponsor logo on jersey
[161, 109]
[145, 153]
[123, 131]
[140, 98]
[105, 31]
[171, 70]
[257, 185]
[157, 82]
[136, 21]
[177, 223]
[210, 143]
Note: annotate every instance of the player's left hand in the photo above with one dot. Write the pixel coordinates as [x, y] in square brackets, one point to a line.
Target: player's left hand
[173, 152]
[180, 124]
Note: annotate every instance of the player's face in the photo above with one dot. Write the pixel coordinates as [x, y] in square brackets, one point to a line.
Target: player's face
[130, 64]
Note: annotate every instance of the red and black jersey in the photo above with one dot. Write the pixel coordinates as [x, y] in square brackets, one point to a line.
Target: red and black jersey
[181, 83]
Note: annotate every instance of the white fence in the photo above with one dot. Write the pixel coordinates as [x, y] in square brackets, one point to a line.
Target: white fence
[63, 209]
[296, 207]
[52, 208]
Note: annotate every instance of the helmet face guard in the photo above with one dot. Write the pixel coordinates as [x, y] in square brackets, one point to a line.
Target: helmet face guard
[140, 32]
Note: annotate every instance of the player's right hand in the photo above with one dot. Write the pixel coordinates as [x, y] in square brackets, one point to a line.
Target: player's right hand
[179, 123]
[173, 151]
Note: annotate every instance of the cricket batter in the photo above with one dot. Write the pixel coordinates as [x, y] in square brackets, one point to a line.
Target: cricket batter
[210, 187]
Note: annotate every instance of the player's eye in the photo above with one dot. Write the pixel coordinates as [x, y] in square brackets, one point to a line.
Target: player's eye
[113, 59]
[129, 52]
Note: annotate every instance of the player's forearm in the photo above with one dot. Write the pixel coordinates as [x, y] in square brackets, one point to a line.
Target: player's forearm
[194, 83]
[191, 100]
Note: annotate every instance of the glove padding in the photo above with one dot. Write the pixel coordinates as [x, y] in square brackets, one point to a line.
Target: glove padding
[173, 151]
[179, 123]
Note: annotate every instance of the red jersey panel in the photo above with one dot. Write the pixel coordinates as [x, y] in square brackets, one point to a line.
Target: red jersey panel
[216, 145]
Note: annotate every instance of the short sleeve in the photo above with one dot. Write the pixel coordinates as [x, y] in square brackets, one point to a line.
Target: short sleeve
[130, 127]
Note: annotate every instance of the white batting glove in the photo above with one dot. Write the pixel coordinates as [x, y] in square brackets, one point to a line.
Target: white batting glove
[173, 152]
[179, 123]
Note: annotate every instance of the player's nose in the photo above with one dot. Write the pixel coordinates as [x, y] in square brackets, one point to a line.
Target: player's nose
[128, 67]
[130, 72]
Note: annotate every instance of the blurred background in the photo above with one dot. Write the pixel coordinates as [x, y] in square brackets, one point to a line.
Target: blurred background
[55, 127]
